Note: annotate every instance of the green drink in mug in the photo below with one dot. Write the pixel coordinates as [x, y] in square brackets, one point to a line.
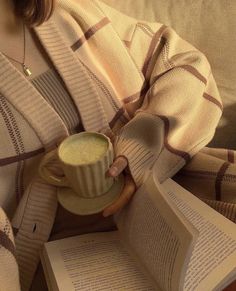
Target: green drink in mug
[85, 159]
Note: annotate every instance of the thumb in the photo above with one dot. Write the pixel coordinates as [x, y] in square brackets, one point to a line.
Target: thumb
[119, 164]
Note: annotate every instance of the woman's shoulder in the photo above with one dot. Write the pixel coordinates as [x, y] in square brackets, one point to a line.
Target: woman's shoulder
[90, 15]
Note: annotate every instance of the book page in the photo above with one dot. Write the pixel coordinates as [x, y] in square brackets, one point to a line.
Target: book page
[213, 262]
[95, 261]
[157, 235]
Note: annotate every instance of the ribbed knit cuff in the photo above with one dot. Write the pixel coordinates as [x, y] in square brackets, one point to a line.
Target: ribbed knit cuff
[140, 159]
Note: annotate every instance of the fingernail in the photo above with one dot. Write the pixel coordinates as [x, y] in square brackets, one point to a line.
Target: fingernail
[106, 213]
[113, 171]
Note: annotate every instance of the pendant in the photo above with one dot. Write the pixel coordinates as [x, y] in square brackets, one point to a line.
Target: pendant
[26, 70]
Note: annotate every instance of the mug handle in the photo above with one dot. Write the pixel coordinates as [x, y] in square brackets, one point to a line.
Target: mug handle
[48, 175]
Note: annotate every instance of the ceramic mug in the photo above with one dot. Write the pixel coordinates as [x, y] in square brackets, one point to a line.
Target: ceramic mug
[85, 158]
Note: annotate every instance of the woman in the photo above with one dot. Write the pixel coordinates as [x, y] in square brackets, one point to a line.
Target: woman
[76, 65]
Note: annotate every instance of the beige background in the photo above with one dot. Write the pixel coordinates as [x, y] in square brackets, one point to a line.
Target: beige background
[210, 25]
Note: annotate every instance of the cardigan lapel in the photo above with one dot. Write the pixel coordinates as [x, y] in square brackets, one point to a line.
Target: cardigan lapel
[100, 47]
[47, 124]
[73, 73]
[40, 115]
[109, 63]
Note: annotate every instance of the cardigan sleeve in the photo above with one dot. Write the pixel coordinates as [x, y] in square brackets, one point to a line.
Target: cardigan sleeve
[178, 110]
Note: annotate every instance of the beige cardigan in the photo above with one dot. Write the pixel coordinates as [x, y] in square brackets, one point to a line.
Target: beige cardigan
[134, 80]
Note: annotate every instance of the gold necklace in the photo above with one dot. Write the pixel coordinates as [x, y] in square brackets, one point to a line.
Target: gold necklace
[25, 68]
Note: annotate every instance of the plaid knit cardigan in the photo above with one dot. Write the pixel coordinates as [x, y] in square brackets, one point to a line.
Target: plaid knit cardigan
[134, 80]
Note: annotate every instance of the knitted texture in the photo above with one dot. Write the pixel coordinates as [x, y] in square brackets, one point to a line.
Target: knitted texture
[9, 275]
[133, 80]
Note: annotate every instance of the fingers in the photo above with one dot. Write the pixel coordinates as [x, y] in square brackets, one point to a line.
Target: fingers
[119, 164]
[109, 133]
[126, 194]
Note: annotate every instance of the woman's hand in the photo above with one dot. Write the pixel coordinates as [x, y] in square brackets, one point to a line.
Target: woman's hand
[119, 164]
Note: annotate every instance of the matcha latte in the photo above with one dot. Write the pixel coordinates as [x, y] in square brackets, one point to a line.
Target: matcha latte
[84, 159]
[86, 150]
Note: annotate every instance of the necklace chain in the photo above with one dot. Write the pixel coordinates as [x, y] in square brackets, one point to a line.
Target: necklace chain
[25, 68]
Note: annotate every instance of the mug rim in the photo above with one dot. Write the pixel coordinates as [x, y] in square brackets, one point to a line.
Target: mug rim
[80, 134]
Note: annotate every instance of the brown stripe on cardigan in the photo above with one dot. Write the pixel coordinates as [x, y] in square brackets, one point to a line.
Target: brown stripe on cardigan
[188, 68]
[20, 157]
[231, 156]
[134, 97]
[117, 116]
[127, 43]
[155, 40]
[8, 124]
[7, 243]
[194, 72]
[198, 174]
[180, 153]
[90, 32]
[17, 142]
[146, 29]
[19, 185]
[219, 179]
[213, 100]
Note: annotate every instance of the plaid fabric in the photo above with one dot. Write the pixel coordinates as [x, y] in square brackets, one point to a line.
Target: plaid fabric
[211, 175]
[148, 89]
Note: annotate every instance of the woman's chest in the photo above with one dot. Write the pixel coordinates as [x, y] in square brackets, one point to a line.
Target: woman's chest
[26, 49]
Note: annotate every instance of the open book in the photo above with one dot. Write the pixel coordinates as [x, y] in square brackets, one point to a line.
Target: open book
[167, 240]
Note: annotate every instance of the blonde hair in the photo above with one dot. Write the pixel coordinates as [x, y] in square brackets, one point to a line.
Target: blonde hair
[34, 12]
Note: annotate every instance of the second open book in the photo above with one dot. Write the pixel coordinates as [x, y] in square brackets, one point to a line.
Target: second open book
[167, 239]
